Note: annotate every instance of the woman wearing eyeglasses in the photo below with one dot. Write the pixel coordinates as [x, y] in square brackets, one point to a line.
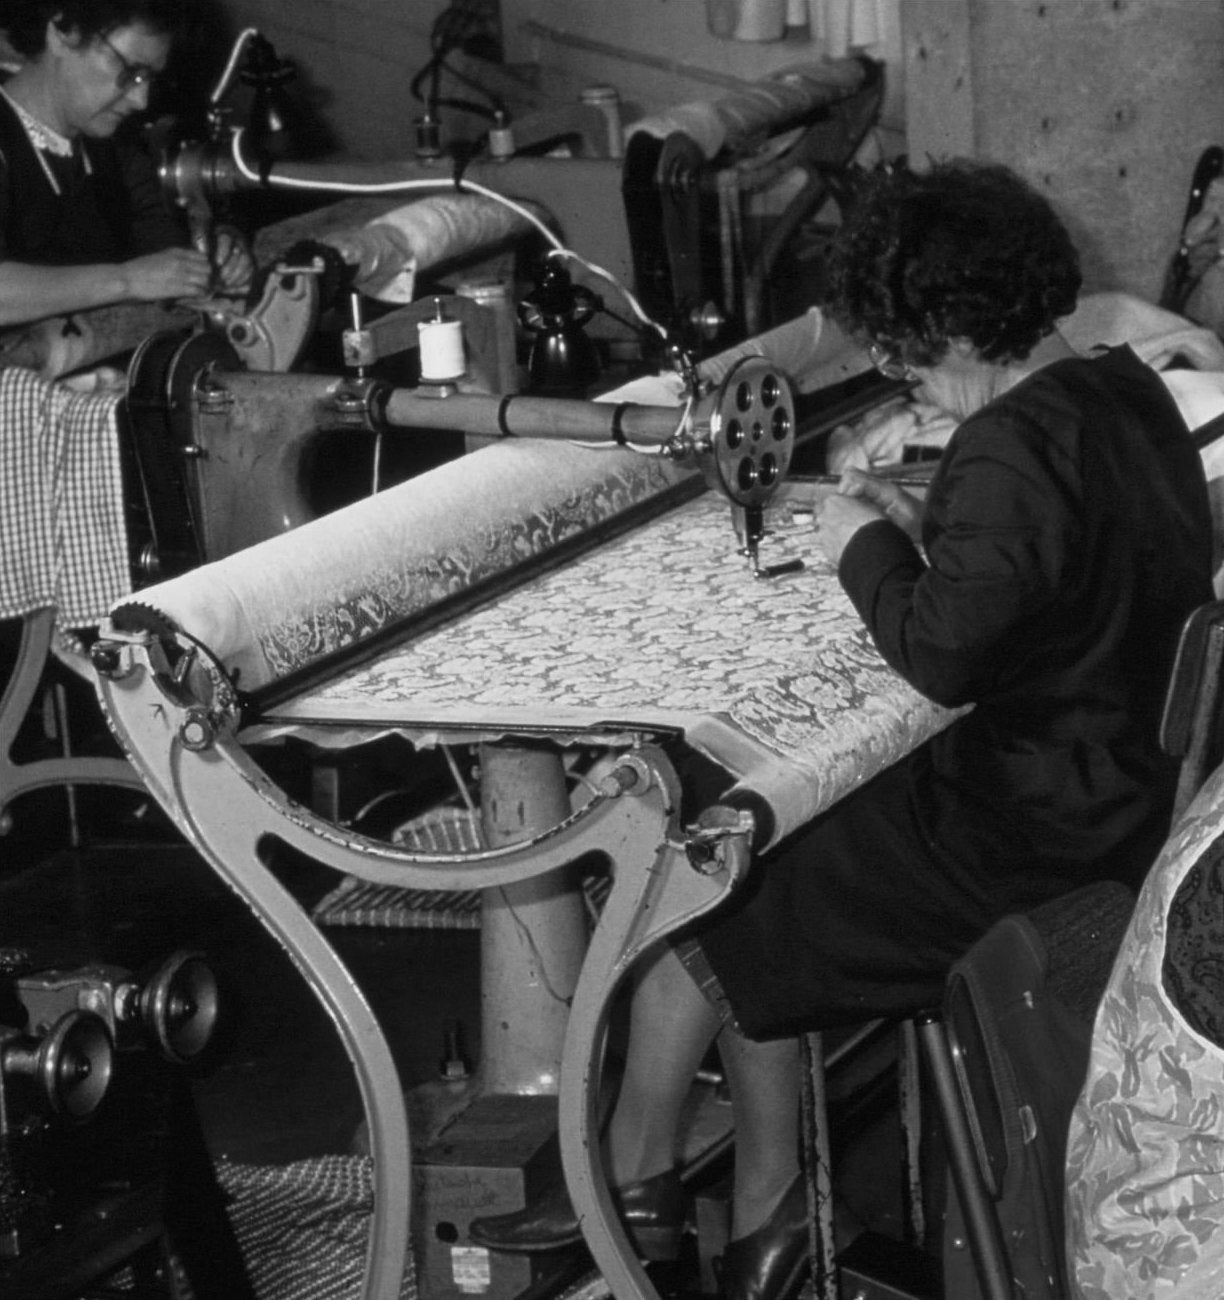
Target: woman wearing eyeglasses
[1064, 539]
[82, 219]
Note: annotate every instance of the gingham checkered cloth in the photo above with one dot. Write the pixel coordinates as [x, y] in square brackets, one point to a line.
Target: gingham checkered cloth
[62, 533]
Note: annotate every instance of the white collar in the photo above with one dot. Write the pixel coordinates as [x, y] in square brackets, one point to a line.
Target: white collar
[42, 137]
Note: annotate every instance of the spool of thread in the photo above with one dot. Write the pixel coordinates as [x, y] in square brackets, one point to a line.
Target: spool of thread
[442, 357]
[747, 20]
[607, 100]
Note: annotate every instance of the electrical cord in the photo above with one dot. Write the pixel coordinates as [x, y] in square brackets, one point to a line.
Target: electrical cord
[462, 183]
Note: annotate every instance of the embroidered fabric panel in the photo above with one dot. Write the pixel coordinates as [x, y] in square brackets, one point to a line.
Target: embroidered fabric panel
[666, 627]
[281, 604]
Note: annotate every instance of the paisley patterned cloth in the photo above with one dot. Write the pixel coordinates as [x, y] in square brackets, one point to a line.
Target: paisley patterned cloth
[1145, 1170]
[663, 629]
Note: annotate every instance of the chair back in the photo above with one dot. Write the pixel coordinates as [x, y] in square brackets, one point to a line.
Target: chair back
[1017, 1028]
[1018, 1014]
[1191, 727]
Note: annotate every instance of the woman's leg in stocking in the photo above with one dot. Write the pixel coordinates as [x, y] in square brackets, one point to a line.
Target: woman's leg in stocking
[765, 1082]
[671, 1028]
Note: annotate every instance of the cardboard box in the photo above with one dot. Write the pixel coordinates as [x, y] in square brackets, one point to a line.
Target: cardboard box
[498, 1155]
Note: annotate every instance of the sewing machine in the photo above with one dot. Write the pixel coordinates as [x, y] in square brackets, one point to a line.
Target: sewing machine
[663, 204]
[657, 215]
[222, 441]
[696, 623]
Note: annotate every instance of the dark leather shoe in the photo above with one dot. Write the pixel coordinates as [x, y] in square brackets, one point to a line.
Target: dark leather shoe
[652, 1211]
[768, 1263]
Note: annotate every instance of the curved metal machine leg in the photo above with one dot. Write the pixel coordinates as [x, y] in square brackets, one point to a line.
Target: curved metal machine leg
[37, 630]
[657, 888]
[227, 807]
[231, 845]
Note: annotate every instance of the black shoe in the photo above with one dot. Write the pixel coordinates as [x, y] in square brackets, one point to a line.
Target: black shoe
[768, 1263]
[652, 1211]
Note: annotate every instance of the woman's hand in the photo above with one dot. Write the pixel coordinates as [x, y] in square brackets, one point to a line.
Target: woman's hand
[902, 507]
[862, 499]
[232, 261]
[1201, 240]
[168, 274]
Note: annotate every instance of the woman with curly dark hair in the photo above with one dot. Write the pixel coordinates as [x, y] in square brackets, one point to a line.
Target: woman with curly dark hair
[1063, 540]
[82, 219]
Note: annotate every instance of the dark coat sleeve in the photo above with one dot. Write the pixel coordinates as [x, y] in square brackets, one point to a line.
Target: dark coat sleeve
[1000, 527]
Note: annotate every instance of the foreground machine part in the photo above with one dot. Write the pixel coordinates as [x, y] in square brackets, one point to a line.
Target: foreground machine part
[178, 719]
[103, 1163]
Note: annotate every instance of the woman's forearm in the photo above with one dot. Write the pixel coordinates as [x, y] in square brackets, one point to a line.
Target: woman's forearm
[30, 293]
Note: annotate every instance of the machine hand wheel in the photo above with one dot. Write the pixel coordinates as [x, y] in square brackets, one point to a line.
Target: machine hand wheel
[752, 433]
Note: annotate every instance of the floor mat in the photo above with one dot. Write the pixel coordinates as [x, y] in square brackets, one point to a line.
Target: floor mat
[303, 1226]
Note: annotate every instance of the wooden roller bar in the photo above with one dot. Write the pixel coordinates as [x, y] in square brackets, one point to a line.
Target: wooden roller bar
[534, 417]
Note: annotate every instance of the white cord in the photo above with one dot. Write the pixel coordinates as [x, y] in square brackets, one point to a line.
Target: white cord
[634, 305]
[230, 67]
[429, 183]
[642, 448]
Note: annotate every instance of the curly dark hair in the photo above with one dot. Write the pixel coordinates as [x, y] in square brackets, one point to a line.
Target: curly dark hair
[962, 250]
[24, 22]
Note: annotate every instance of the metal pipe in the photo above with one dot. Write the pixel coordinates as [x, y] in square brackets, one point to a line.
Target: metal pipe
[981, 1222]
[534, 417]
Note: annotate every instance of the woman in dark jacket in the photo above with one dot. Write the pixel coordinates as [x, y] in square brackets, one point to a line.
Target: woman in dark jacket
[82, 219]
[1063, 541]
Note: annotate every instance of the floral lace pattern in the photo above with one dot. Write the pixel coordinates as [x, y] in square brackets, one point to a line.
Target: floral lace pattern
[415, 580]
[1194, 952]
[1145, 1169]
[666, 627]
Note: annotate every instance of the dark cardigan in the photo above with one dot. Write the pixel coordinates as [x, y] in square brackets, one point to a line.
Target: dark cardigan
[110, 206]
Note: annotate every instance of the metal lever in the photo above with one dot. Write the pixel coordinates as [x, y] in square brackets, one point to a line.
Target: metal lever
[750, 524]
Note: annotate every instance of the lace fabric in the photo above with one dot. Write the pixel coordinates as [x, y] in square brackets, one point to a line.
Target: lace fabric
[1193, 971]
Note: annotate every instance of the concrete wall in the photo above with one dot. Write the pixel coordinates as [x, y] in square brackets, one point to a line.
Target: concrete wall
[660, 52]
[355, 61]
[1106, 105]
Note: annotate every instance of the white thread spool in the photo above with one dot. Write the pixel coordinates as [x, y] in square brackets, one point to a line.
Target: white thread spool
[442, 356]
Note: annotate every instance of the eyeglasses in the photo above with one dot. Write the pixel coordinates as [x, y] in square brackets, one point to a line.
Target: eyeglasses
[131, 75]
[890, 364]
